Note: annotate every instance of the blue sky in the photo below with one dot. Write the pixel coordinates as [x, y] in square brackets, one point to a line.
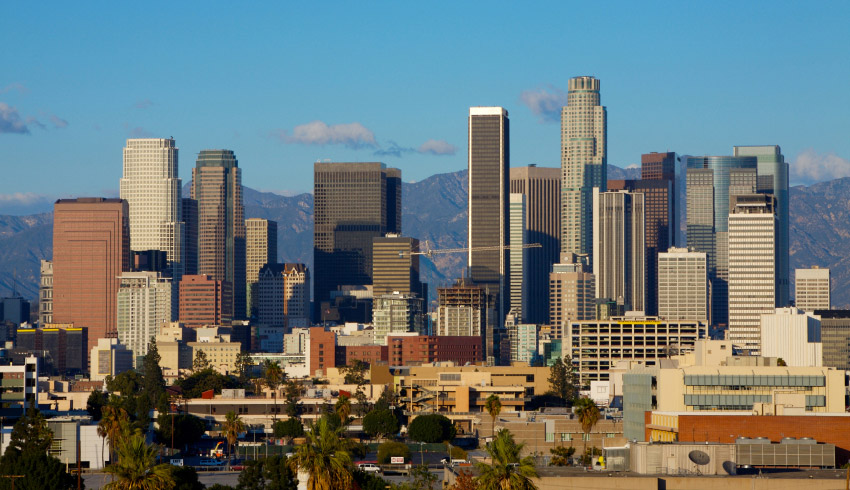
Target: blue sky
[285, 85]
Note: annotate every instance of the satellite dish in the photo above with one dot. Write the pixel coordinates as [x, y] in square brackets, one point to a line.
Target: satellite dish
[699, 457]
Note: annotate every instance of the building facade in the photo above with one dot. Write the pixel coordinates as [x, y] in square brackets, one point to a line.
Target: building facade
[217, 186]
[683, 287]
[793, 336]
[395, 268]
[425, 349]
[151, 187]
[572, 293]
[45, 293]
[812, 289]
[752, 267]
[108, 358]
[260, 249]
[205, 301]
[518, 256]
[619, 249]
[835, 338]
[144, 304]
[488, 225]
[584, 159]
[91, 248]
[283, 295]
[190, 235]
[354, 203]
[542, 190]
[465, 310]
[397, 313]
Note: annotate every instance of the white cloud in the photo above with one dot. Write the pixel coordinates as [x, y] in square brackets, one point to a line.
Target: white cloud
[10, 120]
[811, 166]
[545, 102]
[353, 135]
[437, 147]
[19, 87]
[21, 198]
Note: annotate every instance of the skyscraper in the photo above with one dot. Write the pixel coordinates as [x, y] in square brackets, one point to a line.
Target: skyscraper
[584, 150]
[572, 291]
[205, 301]
[619, 247]
[354, 203]
[683, 292]
[283, 295]
[658, 200]
[518, 257]
[542, 189]
[217, 186]
[711, 182]
[752, 267]
[465, 310]
[144, 304]
[664, 166]
[489, 179]
[152, 190]
[190, 235]
[812, 289]
[91, 248]
[45, 293]
[773, 179]
[260, 249]
[394, 268]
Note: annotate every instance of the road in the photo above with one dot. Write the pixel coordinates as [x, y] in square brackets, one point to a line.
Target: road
[96, 481]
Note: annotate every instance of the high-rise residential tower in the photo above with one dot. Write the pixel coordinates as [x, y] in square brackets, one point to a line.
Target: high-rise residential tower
[45, 293]
[354, 203]
[683, 292]
[711, 182]
[144, 304]
[812, 289]
[773, 179]
[151, 187]
[217, 186]
[283, 295]
[260, 249]
[619, 247]
[518, 257]
[542, 190]
[91, 248]
[489, 179]
[584, 150]
[752, 267]
[572, 291]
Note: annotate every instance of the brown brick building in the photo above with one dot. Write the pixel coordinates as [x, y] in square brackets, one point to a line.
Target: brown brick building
[91, 248]
[322, 350]
[406, 351]
[204, 301]
[371, 354]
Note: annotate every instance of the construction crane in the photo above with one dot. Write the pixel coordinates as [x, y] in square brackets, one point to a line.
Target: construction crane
[430, 252]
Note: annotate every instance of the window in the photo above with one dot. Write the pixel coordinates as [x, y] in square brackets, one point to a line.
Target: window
[566, 436]
[550, 437]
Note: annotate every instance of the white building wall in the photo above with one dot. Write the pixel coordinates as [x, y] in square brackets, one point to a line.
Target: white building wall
[794, 336]
[812, 289]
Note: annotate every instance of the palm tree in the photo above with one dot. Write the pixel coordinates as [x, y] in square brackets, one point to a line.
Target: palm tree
[323, 458]
[114, 424]
[233, 426]
[273, 375]
[494, 407]
[136, 468]
[506, 470]
[588, 414]
[343, 408]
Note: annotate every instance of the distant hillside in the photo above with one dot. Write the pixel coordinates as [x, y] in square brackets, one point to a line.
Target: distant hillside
[434, 209]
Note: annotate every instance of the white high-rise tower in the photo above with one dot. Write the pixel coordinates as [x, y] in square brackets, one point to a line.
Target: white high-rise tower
[584, 150]
[152, 190]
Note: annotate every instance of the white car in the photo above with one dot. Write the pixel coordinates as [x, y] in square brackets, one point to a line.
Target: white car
[369, 467]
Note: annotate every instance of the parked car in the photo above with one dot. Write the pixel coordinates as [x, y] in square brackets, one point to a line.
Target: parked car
[369, 467]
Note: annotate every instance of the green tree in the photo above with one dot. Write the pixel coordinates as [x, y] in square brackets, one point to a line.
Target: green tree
[185, 478]
[558, 379]
[289, 428]
[464, 481]
[136, 468]
[232, 427]
[369, 481]
[207, 379]
[343, 408]
[380, 423]
[243, 363]
[153, 381]
[278, 474]
[94, 405]
[273, 375]
[588, 414]
[506, 471]
[431, 428]
[494, 407]
[561, 455]
[188, 429]
[39, 471]
[30, 434]
[355, 372]
[323, 459]
[362, 405]
[251, 477]
[423, 479]
[114, 426]
[389, 449]
[292, 393]
[201, 361]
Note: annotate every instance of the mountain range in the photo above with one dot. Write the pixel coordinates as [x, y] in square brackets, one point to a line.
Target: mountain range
[434, 210]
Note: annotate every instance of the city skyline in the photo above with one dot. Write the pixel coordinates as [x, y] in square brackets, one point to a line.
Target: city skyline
[289, 112]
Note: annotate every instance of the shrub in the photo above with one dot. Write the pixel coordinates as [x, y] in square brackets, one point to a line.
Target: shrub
[457, 453]
[389, 449]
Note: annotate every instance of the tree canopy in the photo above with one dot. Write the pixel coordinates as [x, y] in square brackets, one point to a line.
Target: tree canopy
[204, 380]
[380, 423]
[431, 428]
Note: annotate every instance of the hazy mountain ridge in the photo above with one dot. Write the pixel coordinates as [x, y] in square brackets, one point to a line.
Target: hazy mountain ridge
[434, 209]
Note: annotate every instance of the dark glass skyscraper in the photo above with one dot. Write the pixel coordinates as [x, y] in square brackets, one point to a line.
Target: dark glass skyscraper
[217, 187]
[711, 180]
[354, 203]
[489, 189]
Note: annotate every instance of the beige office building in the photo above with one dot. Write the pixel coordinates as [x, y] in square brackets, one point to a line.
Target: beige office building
[752, 267]
[260, 249]
[683, 287]
[572, 293]
[812, 289]
[151, 187]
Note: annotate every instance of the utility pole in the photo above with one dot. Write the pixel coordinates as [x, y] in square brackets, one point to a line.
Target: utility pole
[79, 465]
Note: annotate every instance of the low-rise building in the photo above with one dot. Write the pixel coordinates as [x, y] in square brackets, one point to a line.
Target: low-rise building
[18, 388]
[109, 358]
[215, 343]
[792, 335]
